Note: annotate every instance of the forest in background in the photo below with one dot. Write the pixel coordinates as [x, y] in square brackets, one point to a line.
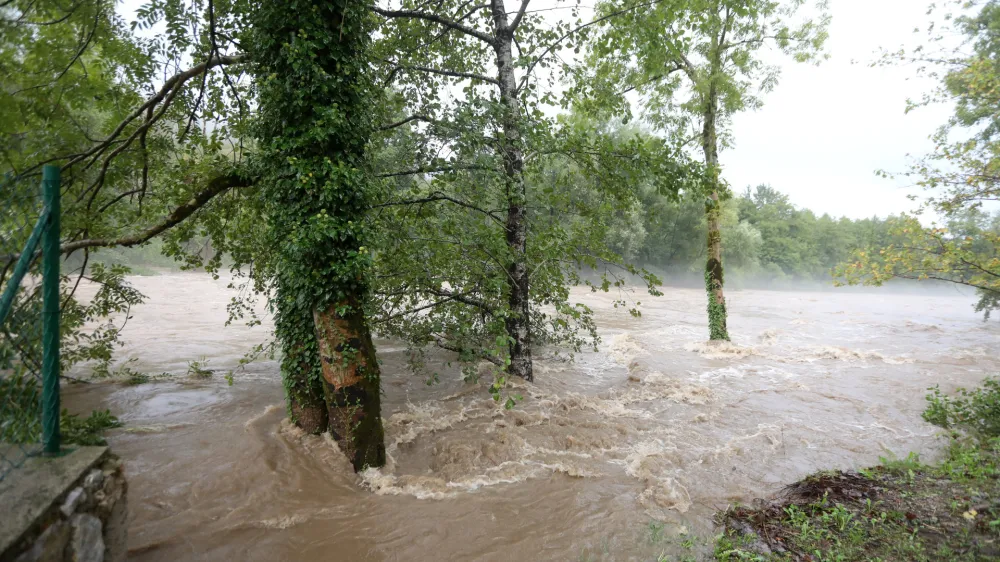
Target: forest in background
[770, 242]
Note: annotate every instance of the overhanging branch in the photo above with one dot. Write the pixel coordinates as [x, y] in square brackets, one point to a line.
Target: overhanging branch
[439, 196]
[415, 171]
[168, 87]
[435, 19]
[215, 187]
[448, 73]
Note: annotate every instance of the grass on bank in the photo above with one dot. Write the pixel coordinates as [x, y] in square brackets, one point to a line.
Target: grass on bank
[901, 510]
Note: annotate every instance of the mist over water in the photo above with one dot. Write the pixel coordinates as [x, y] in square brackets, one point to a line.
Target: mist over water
[659, 425]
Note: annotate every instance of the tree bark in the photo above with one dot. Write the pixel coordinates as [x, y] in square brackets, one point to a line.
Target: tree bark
[518, 324]
[351, 383]
[714, 280]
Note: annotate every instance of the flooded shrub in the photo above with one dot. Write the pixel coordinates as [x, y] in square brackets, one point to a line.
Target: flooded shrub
[975, 411]
[86, 431]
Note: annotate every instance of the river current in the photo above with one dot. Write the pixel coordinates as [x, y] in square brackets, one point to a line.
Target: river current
[621, 454]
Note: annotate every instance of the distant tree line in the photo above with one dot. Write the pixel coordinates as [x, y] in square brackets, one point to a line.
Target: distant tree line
[766, 236]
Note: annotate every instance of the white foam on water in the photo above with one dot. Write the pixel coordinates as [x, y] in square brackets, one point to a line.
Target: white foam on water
[769, 336]
[427, 417]
[624, 349]
[512, 447]
[729, 350]
[267, 411]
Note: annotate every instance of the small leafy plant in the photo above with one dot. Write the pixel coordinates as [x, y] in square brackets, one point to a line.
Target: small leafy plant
[197, 369]
[86, 431]
[975, 411]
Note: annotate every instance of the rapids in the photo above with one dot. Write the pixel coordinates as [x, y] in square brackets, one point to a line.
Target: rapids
[656, 429]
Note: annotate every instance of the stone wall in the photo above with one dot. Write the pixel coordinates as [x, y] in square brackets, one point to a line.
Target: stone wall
[87, 523]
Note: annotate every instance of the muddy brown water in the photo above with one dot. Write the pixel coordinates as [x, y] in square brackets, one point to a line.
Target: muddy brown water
[618, 455]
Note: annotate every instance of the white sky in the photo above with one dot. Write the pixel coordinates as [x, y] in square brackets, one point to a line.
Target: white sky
[824, 130]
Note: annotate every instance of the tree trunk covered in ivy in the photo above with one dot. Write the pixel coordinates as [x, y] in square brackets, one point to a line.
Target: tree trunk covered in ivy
[317, 105]
[518, 321]
[300, 369]
[713, 267]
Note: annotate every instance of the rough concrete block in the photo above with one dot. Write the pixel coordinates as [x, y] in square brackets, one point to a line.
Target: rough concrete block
[116, 531]
[29, 494]
[73, 500]
[93, 480]
[87, 544]
[49, 546]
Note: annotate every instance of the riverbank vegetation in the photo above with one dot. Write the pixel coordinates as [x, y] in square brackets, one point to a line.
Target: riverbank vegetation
[900, 510]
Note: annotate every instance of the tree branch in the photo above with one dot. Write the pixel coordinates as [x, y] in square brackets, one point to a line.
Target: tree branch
[439, 196]
[418, 309]
[450, 73]
[577, 29]
[435, 19]
[434, 170]
[478, 352]
[520, 15]
[215, 187]
[402, 122]
[172, 83]
[462, 298]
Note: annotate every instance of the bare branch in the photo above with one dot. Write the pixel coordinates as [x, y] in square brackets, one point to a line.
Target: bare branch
[436, 19]
[451, 73]
[215, 187]
[520, 15]
[434, 170]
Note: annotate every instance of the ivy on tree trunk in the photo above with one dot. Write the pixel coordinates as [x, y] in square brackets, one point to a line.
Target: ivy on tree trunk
[714, 281]
[317, 105]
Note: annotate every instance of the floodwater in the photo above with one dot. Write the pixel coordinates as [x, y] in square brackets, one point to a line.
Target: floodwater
[620, 455]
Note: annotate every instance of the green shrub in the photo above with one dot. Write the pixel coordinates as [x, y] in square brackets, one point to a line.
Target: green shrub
[86, 431]
[975, 411]
[198, 369]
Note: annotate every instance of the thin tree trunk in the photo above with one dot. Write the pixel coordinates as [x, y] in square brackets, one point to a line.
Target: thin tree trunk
[351, 383]
[713, 268]
[518, 323]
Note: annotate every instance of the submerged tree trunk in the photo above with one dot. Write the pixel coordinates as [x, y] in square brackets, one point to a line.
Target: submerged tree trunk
[713, 267]
[351, 383]
[519, 321]
[316, 109]
[299, 366]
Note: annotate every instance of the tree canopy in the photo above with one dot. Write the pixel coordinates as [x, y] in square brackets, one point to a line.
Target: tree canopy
[694, 64]
[954, 236]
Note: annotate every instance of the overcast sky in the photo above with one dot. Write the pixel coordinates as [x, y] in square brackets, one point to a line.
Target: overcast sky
[824, 130]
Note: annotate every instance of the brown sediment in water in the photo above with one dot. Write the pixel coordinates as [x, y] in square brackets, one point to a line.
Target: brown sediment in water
[656, 426]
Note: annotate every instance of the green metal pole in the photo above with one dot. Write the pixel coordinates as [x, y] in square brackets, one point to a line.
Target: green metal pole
[50, 313]
[23, 264]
